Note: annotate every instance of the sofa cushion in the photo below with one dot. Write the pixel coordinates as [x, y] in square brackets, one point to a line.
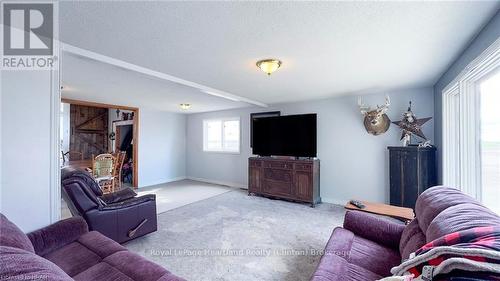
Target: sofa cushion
[123, 259]
[99, 244]
[461, 217]
[335, 268]
[88, 250]
[73, 258]
[19, 264]
[55, 236]
[435, 200]
[96, 257]
[411, 240]
[12, 236]
[102, 271]
[386, 231]
[361, 252]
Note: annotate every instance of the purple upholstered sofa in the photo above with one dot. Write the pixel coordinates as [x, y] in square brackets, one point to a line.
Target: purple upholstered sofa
[368, 246]
[66, 250]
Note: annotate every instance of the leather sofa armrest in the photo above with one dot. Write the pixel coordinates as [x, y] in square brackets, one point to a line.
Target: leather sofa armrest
[57, 235]
[129, 203]
[375, 228]
[121, 195]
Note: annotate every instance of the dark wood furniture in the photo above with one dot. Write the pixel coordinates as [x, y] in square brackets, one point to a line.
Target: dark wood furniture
[117, 170]
[412, 170]
[296, 180]
[401, 213]
[78, 164]
[71, 155]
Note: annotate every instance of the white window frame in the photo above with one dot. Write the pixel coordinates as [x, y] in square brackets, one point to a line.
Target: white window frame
[222, 150]
[461, 124]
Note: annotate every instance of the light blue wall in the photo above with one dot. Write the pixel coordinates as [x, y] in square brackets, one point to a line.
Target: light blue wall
[354, 164]
[162, 147]
[482, 41]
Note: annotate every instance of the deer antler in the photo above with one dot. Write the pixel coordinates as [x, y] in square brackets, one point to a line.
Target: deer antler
[363, 108]
[385, 107]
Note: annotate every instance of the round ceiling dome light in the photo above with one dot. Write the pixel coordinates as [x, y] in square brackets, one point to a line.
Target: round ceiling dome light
[269, 65]
[185, 106]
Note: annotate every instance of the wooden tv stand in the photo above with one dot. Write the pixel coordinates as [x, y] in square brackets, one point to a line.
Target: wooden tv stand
[296, 180]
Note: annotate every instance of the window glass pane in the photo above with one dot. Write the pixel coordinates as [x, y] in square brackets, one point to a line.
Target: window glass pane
[232, 135]
[213, 135]
[490, 142]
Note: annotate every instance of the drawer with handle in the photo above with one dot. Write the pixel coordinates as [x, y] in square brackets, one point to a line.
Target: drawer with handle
[278, 165]
[255, 163]
[303, 167]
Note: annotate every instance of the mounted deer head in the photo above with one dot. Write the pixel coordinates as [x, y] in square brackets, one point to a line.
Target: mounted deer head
[376, 121]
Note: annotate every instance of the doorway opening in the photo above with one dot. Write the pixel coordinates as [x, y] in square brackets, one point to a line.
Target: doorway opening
[89, 129]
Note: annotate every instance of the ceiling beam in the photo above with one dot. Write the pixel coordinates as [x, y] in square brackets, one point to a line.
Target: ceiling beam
[133, 67]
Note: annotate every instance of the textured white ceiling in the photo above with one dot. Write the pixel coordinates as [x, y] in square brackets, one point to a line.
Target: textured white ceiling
[327, 48]
[89, 80]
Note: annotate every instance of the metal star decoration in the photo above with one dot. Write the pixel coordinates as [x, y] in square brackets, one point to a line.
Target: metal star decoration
[411, 125]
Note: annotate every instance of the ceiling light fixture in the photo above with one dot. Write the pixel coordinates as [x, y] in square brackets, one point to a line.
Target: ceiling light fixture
[185, 106]
[269, 65]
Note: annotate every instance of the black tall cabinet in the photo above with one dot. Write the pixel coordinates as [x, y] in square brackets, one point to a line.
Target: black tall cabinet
[412, 170]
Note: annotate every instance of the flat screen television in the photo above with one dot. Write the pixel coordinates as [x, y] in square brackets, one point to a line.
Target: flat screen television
[291, 135]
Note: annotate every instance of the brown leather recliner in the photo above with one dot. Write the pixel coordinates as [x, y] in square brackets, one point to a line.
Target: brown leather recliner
[121, 216]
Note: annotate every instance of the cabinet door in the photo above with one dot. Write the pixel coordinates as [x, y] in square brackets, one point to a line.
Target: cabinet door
[396, 172]
[428, 170]
[254, 179]
[410, 178]
[277, 182]
[303, 185]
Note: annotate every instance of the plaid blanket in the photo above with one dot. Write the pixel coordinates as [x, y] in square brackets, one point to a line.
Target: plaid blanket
[472, 250]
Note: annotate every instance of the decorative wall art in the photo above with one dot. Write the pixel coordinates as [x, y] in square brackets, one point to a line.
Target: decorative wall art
[376, 121]
[411, 125]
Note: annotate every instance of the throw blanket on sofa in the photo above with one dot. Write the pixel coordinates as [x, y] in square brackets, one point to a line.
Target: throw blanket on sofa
[472, 250]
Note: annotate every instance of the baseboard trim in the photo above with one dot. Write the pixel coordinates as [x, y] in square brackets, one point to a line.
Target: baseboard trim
[226, 183]
[165, 181]
[333, 201]
[244, 186]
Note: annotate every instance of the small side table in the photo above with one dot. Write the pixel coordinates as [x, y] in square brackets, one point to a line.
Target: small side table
[400, 213]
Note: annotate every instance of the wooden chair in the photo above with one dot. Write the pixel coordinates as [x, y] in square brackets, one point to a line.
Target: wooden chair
[71, 155]
[103, 166]
[117, 171]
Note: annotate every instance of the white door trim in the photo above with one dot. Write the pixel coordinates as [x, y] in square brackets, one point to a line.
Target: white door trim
[55, 112]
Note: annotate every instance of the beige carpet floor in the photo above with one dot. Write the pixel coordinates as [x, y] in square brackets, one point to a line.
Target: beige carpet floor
[236, 237]
[180, 193]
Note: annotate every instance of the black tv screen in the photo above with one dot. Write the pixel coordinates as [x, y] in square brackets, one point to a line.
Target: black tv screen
[292, 135]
